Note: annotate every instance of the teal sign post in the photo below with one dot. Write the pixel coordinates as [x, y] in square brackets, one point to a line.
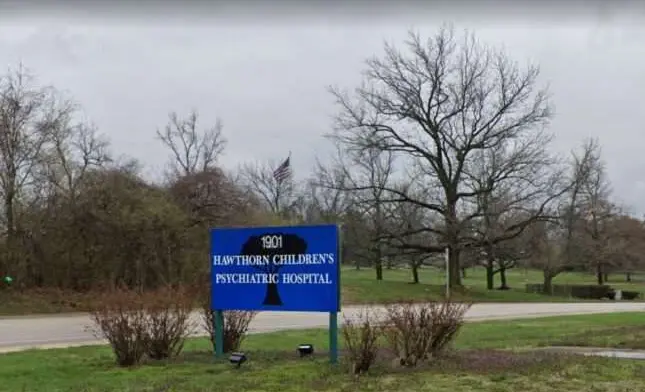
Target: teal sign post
[276, 268]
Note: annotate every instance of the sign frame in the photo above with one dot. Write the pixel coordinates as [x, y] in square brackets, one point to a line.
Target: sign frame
[218, 314]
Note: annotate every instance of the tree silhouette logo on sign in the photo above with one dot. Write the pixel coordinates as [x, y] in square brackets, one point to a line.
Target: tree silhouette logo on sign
[271, 245]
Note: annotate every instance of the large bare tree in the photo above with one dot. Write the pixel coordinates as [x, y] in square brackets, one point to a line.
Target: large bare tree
[437, 105]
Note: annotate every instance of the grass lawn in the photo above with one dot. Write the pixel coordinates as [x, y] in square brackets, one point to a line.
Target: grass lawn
[478, 364]
[358, 287]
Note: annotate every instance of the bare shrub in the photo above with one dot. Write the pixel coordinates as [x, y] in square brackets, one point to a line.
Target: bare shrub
[236, 327]
[417, 332]
[361, 340]
[236, 323]
[168, 321]
[409, 332]
[448, 317]
[120, 318]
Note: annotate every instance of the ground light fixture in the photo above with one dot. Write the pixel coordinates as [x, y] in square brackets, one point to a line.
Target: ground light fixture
[305, 349]
[237, 359]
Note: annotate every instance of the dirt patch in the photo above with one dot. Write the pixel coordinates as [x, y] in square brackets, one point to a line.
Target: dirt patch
[495, 361]
[631, 337]
[43, 301]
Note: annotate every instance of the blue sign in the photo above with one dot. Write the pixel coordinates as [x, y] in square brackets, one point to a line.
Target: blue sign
[286, 268]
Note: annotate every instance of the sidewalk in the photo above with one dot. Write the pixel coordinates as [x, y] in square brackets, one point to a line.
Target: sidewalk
[599, 352]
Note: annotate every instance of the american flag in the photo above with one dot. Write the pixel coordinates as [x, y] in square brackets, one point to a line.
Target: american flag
[283, 171]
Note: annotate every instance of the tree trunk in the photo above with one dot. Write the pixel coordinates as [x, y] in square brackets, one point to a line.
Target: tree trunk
[452, 237]
[628, 277]
[9, 267]
[490, 274]
[379, 271]
[490, 277]
[502, 278]
[415, 273]
[548, 283]
[454, 275]
[599, 274]
[463, 273]
[377, 254]
[272, 296]
[490, 266]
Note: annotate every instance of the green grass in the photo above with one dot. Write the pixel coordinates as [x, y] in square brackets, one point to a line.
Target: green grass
[358, 287]
[274, 366]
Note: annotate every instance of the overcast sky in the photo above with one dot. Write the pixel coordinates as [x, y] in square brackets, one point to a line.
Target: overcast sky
[264, 72]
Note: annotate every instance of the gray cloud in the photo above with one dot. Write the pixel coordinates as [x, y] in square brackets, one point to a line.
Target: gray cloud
[267, 81]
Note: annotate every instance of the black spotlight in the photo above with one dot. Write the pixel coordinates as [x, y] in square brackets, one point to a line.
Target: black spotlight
[237, 359]
[305, 349]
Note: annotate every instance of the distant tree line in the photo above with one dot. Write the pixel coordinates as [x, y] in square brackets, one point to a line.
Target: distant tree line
[445, 145]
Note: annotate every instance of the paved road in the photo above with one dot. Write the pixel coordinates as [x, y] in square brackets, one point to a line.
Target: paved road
[20, 333]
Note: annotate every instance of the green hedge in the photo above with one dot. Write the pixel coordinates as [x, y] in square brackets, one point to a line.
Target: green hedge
[583, 291]
[630, 295]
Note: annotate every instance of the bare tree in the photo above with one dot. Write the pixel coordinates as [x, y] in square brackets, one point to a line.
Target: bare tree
[406, 218]
[192, 151]
[356, 236]
[625, 245]
[28, 115]
[597, 212]
[374, 167]
[557, 245]
[280, 196]
[510, 253]
[74, 149]
[436, 107]
[327, 201]
[514, 184]
[211, 198]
